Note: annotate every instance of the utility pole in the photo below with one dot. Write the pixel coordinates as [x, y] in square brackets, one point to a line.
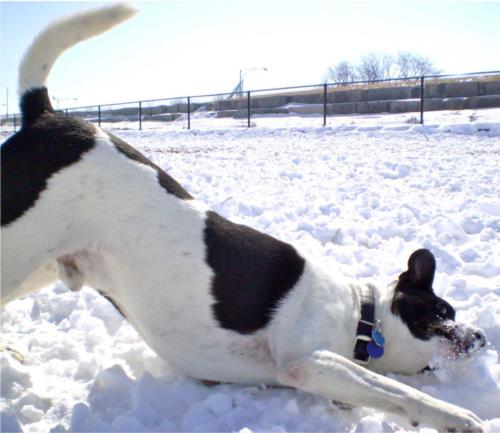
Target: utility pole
[63, 98]
[244, 71]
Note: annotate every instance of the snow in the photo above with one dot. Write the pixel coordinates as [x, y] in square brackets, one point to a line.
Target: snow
[358, 195]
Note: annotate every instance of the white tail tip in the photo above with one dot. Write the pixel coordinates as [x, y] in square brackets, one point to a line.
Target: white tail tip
[63, 34]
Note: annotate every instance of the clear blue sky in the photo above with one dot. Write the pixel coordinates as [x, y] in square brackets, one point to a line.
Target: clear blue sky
[176, 48]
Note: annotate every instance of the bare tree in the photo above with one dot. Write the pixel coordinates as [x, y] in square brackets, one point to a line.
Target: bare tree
[388, 67]
[341, 73]
[375, 66]
[403, 63]
[423, 66]
[414, 65]
[370, 67]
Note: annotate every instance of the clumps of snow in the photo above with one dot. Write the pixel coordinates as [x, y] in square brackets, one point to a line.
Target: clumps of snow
[362, 200]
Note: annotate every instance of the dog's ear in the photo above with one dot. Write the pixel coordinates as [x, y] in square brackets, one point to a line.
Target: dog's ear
[420, 273]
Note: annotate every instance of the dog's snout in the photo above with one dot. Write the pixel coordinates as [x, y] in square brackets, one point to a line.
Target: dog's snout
[475, 341]
[466, 340]
[480, 337]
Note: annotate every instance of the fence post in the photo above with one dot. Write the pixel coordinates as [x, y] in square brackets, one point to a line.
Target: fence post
[66, 112]
[189, 112]
[422, 100]
[15, 126]
[140, 115]
[325, 90]
[248, 108]
[99, 115]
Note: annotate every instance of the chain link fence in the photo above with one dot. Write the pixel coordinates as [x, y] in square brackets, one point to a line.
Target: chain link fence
[390, 100]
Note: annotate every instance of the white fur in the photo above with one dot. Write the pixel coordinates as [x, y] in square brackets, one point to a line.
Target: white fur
[106, 221]
[327, 373]
[61, 35]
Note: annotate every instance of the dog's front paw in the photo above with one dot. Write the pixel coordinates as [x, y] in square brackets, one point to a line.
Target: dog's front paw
[448, 418]
[463, 421]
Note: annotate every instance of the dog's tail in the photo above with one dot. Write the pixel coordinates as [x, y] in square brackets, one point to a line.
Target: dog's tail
[51, 43]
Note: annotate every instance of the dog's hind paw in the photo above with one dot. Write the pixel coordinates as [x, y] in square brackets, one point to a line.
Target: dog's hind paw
[18, 356]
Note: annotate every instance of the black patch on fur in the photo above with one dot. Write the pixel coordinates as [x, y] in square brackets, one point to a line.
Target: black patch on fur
[168, 183]
[253, 272]
[414, 300]
[47, 143]
[33, 104]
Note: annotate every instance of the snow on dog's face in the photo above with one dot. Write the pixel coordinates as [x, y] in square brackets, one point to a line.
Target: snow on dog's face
[427, 315]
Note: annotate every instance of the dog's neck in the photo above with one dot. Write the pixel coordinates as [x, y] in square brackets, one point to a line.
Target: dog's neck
[369, 341]
[402, 352]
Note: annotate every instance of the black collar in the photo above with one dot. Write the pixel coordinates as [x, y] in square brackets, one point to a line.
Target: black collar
[366, 327]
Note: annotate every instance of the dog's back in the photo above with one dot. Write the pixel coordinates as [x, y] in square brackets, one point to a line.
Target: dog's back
[81, 205]
[48, 142]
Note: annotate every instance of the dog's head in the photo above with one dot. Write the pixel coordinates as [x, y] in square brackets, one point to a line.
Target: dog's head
[430, 320]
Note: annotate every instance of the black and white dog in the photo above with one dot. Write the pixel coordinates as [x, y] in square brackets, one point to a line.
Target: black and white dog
[218, 300]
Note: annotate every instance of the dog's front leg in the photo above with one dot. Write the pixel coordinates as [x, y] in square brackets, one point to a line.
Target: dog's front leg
[331, 375]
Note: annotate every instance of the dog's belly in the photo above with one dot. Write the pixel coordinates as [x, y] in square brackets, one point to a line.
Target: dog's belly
[242, 359]
[201, 349]
[171, 306]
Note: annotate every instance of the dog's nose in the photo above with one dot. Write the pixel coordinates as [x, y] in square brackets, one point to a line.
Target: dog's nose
[478, 335]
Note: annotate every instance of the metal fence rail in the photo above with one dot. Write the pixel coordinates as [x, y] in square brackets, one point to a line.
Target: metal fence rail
[419, 94]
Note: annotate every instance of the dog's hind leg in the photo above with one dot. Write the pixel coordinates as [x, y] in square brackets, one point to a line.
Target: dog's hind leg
[331, 375]
[42, 276]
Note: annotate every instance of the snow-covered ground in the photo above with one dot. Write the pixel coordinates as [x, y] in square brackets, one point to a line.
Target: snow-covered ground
[360, 196]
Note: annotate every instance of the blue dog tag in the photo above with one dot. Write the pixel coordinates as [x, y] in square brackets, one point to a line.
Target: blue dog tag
[374, 350]
[378, 337]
